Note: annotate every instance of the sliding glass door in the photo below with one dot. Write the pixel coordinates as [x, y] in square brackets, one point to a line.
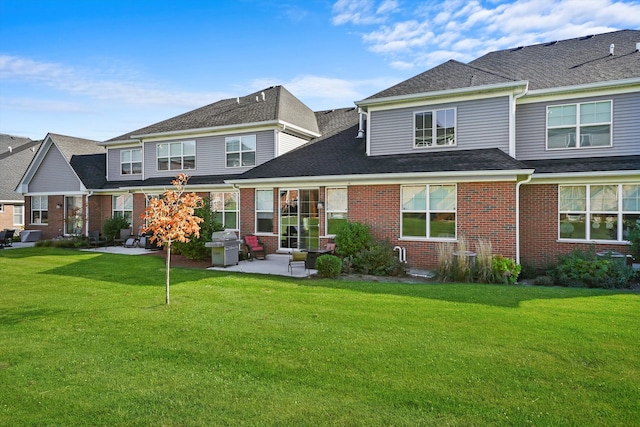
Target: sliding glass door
[299, 221]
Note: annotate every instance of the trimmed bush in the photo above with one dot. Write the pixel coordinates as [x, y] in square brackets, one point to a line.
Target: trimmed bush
[380, 260]
[351, 239]
[584, 269]
[112, 226]
[328, 266]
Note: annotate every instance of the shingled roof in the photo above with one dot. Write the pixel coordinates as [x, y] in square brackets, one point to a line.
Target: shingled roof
[342, 154]
[562, 63]
[13, 163]
[86, 158]
[274, 103]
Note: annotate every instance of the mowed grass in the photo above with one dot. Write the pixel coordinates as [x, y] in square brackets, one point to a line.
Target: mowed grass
[85, 339]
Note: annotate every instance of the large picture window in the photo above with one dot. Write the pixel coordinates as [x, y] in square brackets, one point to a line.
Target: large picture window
[336, 209]
[123, 206]
[131, 161]
[598, 212]
[240, 151]
[435, 128]
[579, 125]
[264, 211]
[225, 208]
[176, 155]
[429, 211]
[39, 209]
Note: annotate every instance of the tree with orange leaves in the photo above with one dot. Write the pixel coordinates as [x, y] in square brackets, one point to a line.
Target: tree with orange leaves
[171, 218]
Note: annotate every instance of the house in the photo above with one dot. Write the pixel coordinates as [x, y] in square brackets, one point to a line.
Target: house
[15, 155]
[534, 149]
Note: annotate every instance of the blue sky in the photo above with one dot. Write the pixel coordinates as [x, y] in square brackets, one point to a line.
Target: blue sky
[97, 69]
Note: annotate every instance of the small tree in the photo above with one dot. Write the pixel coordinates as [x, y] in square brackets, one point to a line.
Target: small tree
[171, 218]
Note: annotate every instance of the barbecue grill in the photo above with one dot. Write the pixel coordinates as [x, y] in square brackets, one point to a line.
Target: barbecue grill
[225, 247]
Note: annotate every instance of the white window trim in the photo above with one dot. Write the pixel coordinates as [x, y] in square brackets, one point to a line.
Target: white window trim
[21, 223]
[224, 210]
[272, 191]
[578, 125]
[240, 152]
[121, 211]
[195, 156]
[131, 162]
[429, 211]
[434, 127]
[328, 210]
[588, 215]
[40, 210]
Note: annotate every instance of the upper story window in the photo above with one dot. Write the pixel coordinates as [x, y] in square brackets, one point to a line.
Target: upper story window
[176, 155]
[39, 209]
[225, 208]
[131, 161]
[579, 125]
[240, 150]
[598, 212]
[264, 211]
[336, 209]
[429, 211]
[435, 128]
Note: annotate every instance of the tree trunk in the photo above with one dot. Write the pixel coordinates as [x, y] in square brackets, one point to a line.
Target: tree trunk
[168, 268]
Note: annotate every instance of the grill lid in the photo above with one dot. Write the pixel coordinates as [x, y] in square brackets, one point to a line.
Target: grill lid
[223, 235]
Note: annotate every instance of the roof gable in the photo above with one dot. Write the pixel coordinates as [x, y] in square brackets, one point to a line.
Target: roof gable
[13, 163]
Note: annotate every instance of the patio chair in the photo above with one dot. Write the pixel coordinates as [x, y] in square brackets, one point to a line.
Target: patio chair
[95, 239]
[3, 236]
[297, 258]
[255, 248]
[125, 233]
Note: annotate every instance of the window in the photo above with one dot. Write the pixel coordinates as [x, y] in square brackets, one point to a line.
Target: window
[131, 162]
[123, 206]
[176, 155]
[39, 209]
[429, 211]
[18, 214]
[336, 209]
[598, 212]
[1, 208]
[225, 209]
[73, 215]
[433, 128]
[241, 151]
[264, 211]
[579, 125]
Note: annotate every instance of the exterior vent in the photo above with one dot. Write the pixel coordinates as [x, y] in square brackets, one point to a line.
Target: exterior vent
[611, 48]
[638, 47]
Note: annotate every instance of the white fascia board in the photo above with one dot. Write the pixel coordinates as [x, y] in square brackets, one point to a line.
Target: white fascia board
[161, 188]
[13, 201]
[235, 128]
[121, 143]
[631, 176]
[613, 87]
[58, 193]
[473, 92]
[388, 178]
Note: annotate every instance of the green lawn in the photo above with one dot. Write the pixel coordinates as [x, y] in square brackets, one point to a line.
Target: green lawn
[85, 339]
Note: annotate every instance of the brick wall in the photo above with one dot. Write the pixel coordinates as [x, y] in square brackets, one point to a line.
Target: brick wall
[539, 245]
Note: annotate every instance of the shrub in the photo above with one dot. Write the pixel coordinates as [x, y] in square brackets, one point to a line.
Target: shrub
[66, 243]
[195, 249]
[584, 269]
[351, 239]
[505, 270]
[328, 265]
[380, 260]
[112, 226]
[543, 281]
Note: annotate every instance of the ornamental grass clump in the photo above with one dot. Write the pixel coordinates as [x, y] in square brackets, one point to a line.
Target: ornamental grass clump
[445, 261]
[484, 261]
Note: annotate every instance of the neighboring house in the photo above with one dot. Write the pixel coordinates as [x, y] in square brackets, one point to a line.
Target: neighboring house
[59, 182]
[534, 149]
[15, 155]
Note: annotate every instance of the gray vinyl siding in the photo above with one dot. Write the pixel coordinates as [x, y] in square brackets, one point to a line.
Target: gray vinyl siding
[288, 142]
[114, 172]
[531, 128]
[482, 123]
[210, 155]
[54, 175]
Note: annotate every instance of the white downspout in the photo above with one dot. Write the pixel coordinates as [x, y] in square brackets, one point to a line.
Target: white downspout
[512, 120]
[518, 185]
[86, 217]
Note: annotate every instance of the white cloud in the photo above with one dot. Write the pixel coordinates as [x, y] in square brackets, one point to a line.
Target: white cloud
[76, 82]
[362, 12]
[468, 29]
